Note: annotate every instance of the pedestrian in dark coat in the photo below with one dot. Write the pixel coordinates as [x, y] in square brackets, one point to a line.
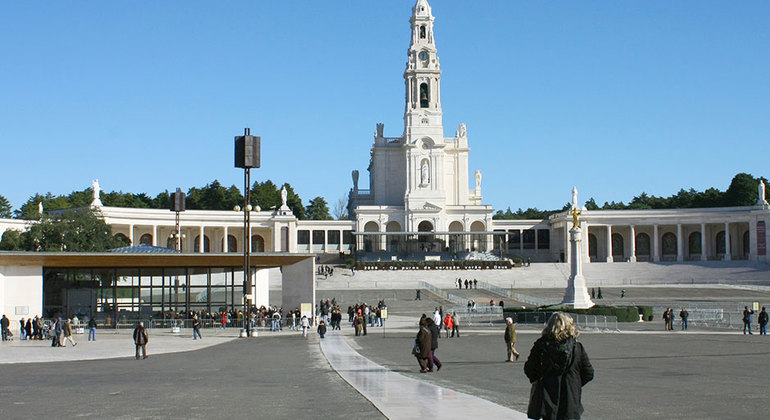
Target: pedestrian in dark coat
[558, 368]
[321, 329]
[434, 334]
[423, 342]
[140, 340]
[762, 318]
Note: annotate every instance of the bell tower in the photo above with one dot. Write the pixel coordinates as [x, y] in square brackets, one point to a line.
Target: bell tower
[423, 126]
[422, 76]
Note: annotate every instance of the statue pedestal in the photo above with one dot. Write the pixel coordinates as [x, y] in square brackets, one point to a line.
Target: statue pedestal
[576, 294]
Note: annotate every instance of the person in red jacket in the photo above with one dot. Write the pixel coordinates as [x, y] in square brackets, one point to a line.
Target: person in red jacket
[448, 323]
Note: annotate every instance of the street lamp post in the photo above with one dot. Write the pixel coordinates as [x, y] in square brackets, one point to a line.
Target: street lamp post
[247, 156]
[177, 206]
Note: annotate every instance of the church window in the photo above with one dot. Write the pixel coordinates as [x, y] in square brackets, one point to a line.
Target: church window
[424, 95]
[422, 32]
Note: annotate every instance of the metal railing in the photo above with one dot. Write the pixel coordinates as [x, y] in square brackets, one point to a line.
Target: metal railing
[602, 323]
[530, 300]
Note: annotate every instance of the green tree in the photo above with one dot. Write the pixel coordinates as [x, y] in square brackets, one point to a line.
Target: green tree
[318, 209]
[5, 208]
[213, 196]
[11, 241]
[742, 190]
[266, 195]
[77, 230]
[591, 204]
[29, 210]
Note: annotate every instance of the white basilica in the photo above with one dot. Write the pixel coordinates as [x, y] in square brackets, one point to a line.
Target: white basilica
[420, 204]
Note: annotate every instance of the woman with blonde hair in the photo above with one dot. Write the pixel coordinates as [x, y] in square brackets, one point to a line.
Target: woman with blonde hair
[558, 368]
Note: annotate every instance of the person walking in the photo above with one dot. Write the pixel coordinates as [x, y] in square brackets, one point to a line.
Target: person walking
[510, 340]
[196, 327]
[417, 295]
[455, 325]
[22, 330]
[28, 328]
[434, 336]
[762, 319]
[747, 313]
[140, 340]
[56, 332]
[557, 367]
[683, 314]
[422, 344]
[305, 324]
[5, 323]
[92, 329]
[322, 329]
[448, 323]
[67, 332]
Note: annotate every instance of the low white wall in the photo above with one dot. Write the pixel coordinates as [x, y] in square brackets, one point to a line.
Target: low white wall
[21, 293]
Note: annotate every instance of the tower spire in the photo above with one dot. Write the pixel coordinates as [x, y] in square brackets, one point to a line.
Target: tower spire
[423, 73]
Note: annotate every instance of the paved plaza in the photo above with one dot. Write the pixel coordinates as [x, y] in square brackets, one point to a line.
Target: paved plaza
[641, 372]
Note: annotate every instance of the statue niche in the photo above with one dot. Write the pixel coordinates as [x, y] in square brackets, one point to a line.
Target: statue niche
[424, 173]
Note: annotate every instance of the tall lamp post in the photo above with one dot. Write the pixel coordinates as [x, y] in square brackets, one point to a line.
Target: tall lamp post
[177, 206]
[247, 157]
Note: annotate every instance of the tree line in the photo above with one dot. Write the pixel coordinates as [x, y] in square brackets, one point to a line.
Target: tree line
[213, 196]
[741, 192]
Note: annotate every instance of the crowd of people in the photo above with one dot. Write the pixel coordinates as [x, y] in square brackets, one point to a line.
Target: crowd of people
[58, 329]
[469, 284]
[362, 315]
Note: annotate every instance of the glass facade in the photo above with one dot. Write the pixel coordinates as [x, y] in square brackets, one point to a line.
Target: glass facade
[123, 296]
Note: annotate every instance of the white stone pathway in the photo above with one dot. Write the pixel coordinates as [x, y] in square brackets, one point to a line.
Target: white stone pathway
[400, 397]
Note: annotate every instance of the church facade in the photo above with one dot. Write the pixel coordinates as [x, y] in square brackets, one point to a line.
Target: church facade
[423, 203]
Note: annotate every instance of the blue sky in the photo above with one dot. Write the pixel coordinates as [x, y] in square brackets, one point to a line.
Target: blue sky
[616, 97]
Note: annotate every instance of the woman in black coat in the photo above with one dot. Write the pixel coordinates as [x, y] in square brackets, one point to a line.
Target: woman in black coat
[558, 368]
[423, 342]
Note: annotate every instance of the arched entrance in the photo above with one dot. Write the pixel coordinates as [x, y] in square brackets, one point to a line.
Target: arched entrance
[145, 239]
[394, 241]
[371, 242]
[642, 247]
[456, 241]
[478, 241]
[668, 245]
[426, 242]
[694, 248]
[197, 245]
[257, 243]
[618, 248]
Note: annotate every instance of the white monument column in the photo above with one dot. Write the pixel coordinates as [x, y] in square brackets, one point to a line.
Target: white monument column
[728, 253]
[655, 244]
[155, 235]
[576, 295]
[632, 258]
[703, 256]
[679, 243]
[609, 243]
[131, 234]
